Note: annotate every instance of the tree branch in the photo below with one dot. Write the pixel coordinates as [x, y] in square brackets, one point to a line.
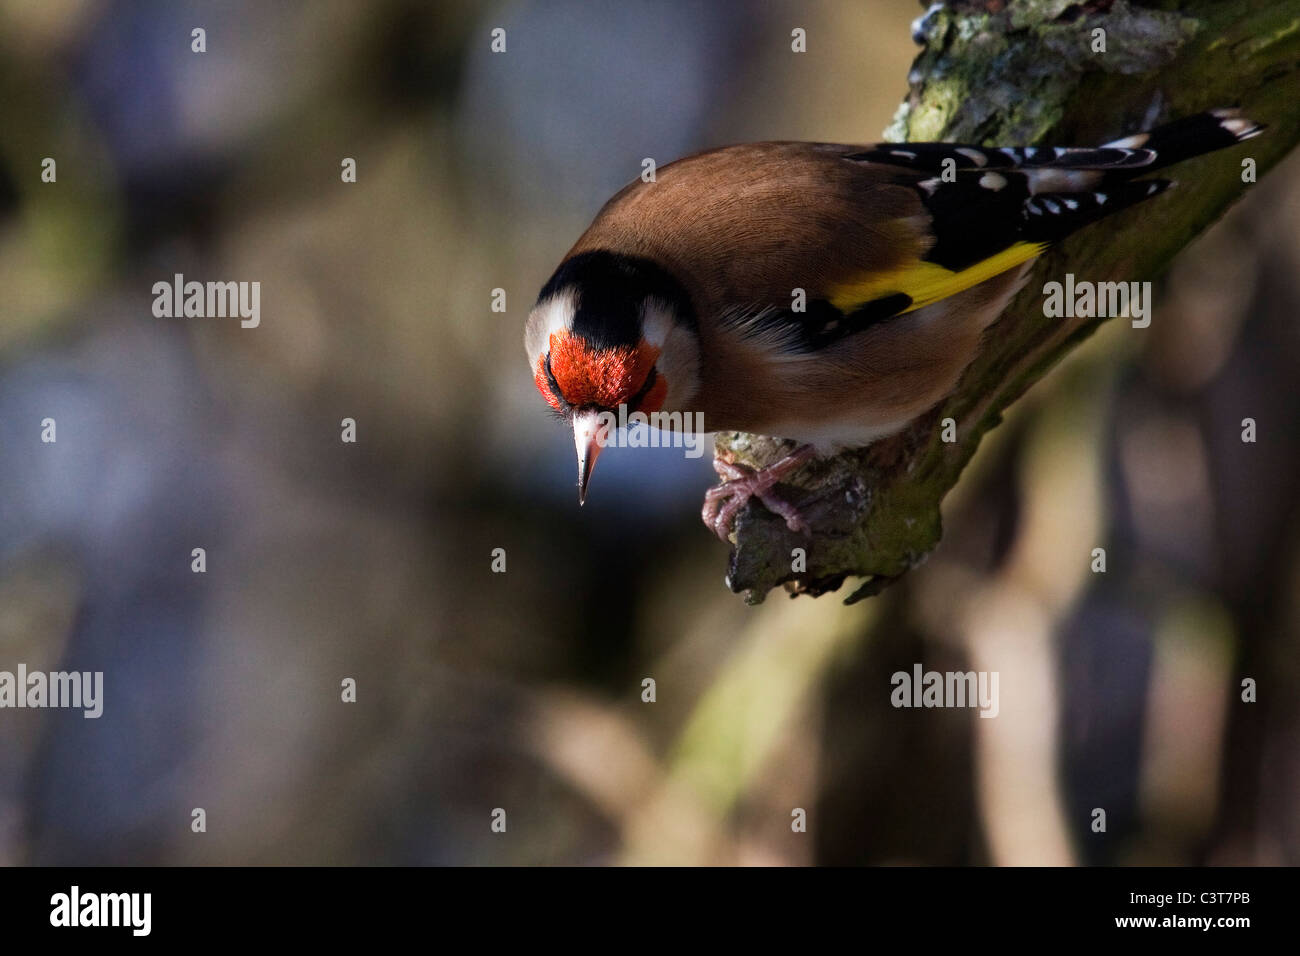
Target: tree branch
[1024, 72]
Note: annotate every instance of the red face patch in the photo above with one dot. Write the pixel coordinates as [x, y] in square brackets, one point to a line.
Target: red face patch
[603, 377]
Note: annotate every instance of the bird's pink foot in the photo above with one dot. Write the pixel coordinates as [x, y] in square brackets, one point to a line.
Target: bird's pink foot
[740, 483]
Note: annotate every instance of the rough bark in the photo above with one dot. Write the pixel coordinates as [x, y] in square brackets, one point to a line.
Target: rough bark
[1014, 73]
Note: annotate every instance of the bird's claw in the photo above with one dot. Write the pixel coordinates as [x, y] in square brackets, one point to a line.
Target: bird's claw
[741, 483]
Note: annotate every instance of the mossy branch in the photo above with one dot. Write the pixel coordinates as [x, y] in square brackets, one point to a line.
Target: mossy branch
[1030, 72]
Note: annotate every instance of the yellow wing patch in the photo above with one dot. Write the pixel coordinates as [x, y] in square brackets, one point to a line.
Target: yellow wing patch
[926, 283]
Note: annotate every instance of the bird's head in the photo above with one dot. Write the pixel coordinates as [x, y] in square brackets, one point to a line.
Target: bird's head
[611, 330]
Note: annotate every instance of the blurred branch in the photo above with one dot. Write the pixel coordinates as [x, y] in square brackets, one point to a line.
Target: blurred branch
[997, 72]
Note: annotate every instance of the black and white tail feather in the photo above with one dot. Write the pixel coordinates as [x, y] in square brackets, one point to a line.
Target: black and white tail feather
[1000, 196]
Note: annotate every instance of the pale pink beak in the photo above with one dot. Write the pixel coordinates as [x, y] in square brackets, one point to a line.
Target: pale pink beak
[589, 434]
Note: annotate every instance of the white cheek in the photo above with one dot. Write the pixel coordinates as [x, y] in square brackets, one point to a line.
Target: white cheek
[547, 318]
[679, 354]
[657, 324]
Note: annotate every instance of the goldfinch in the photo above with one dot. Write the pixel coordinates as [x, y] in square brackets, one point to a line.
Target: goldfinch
[823, 293]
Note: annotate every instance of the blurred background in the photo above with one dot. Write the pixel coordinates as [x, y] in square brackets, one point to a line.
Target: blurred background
[522, 690]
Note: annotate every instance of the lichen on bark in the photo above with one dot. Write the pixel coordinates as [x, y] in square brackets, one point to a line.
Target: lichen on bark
[1012, 73]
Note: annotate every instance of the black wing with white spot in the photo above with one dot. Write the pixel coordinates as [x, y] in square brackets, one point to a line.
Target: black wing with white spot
[984, 200]
[1052, 216]
[937, 157]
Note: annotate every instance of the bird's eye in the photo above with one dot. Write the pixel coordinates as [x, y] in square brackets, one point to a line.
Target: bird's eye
[635, 401]
[559, 402]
